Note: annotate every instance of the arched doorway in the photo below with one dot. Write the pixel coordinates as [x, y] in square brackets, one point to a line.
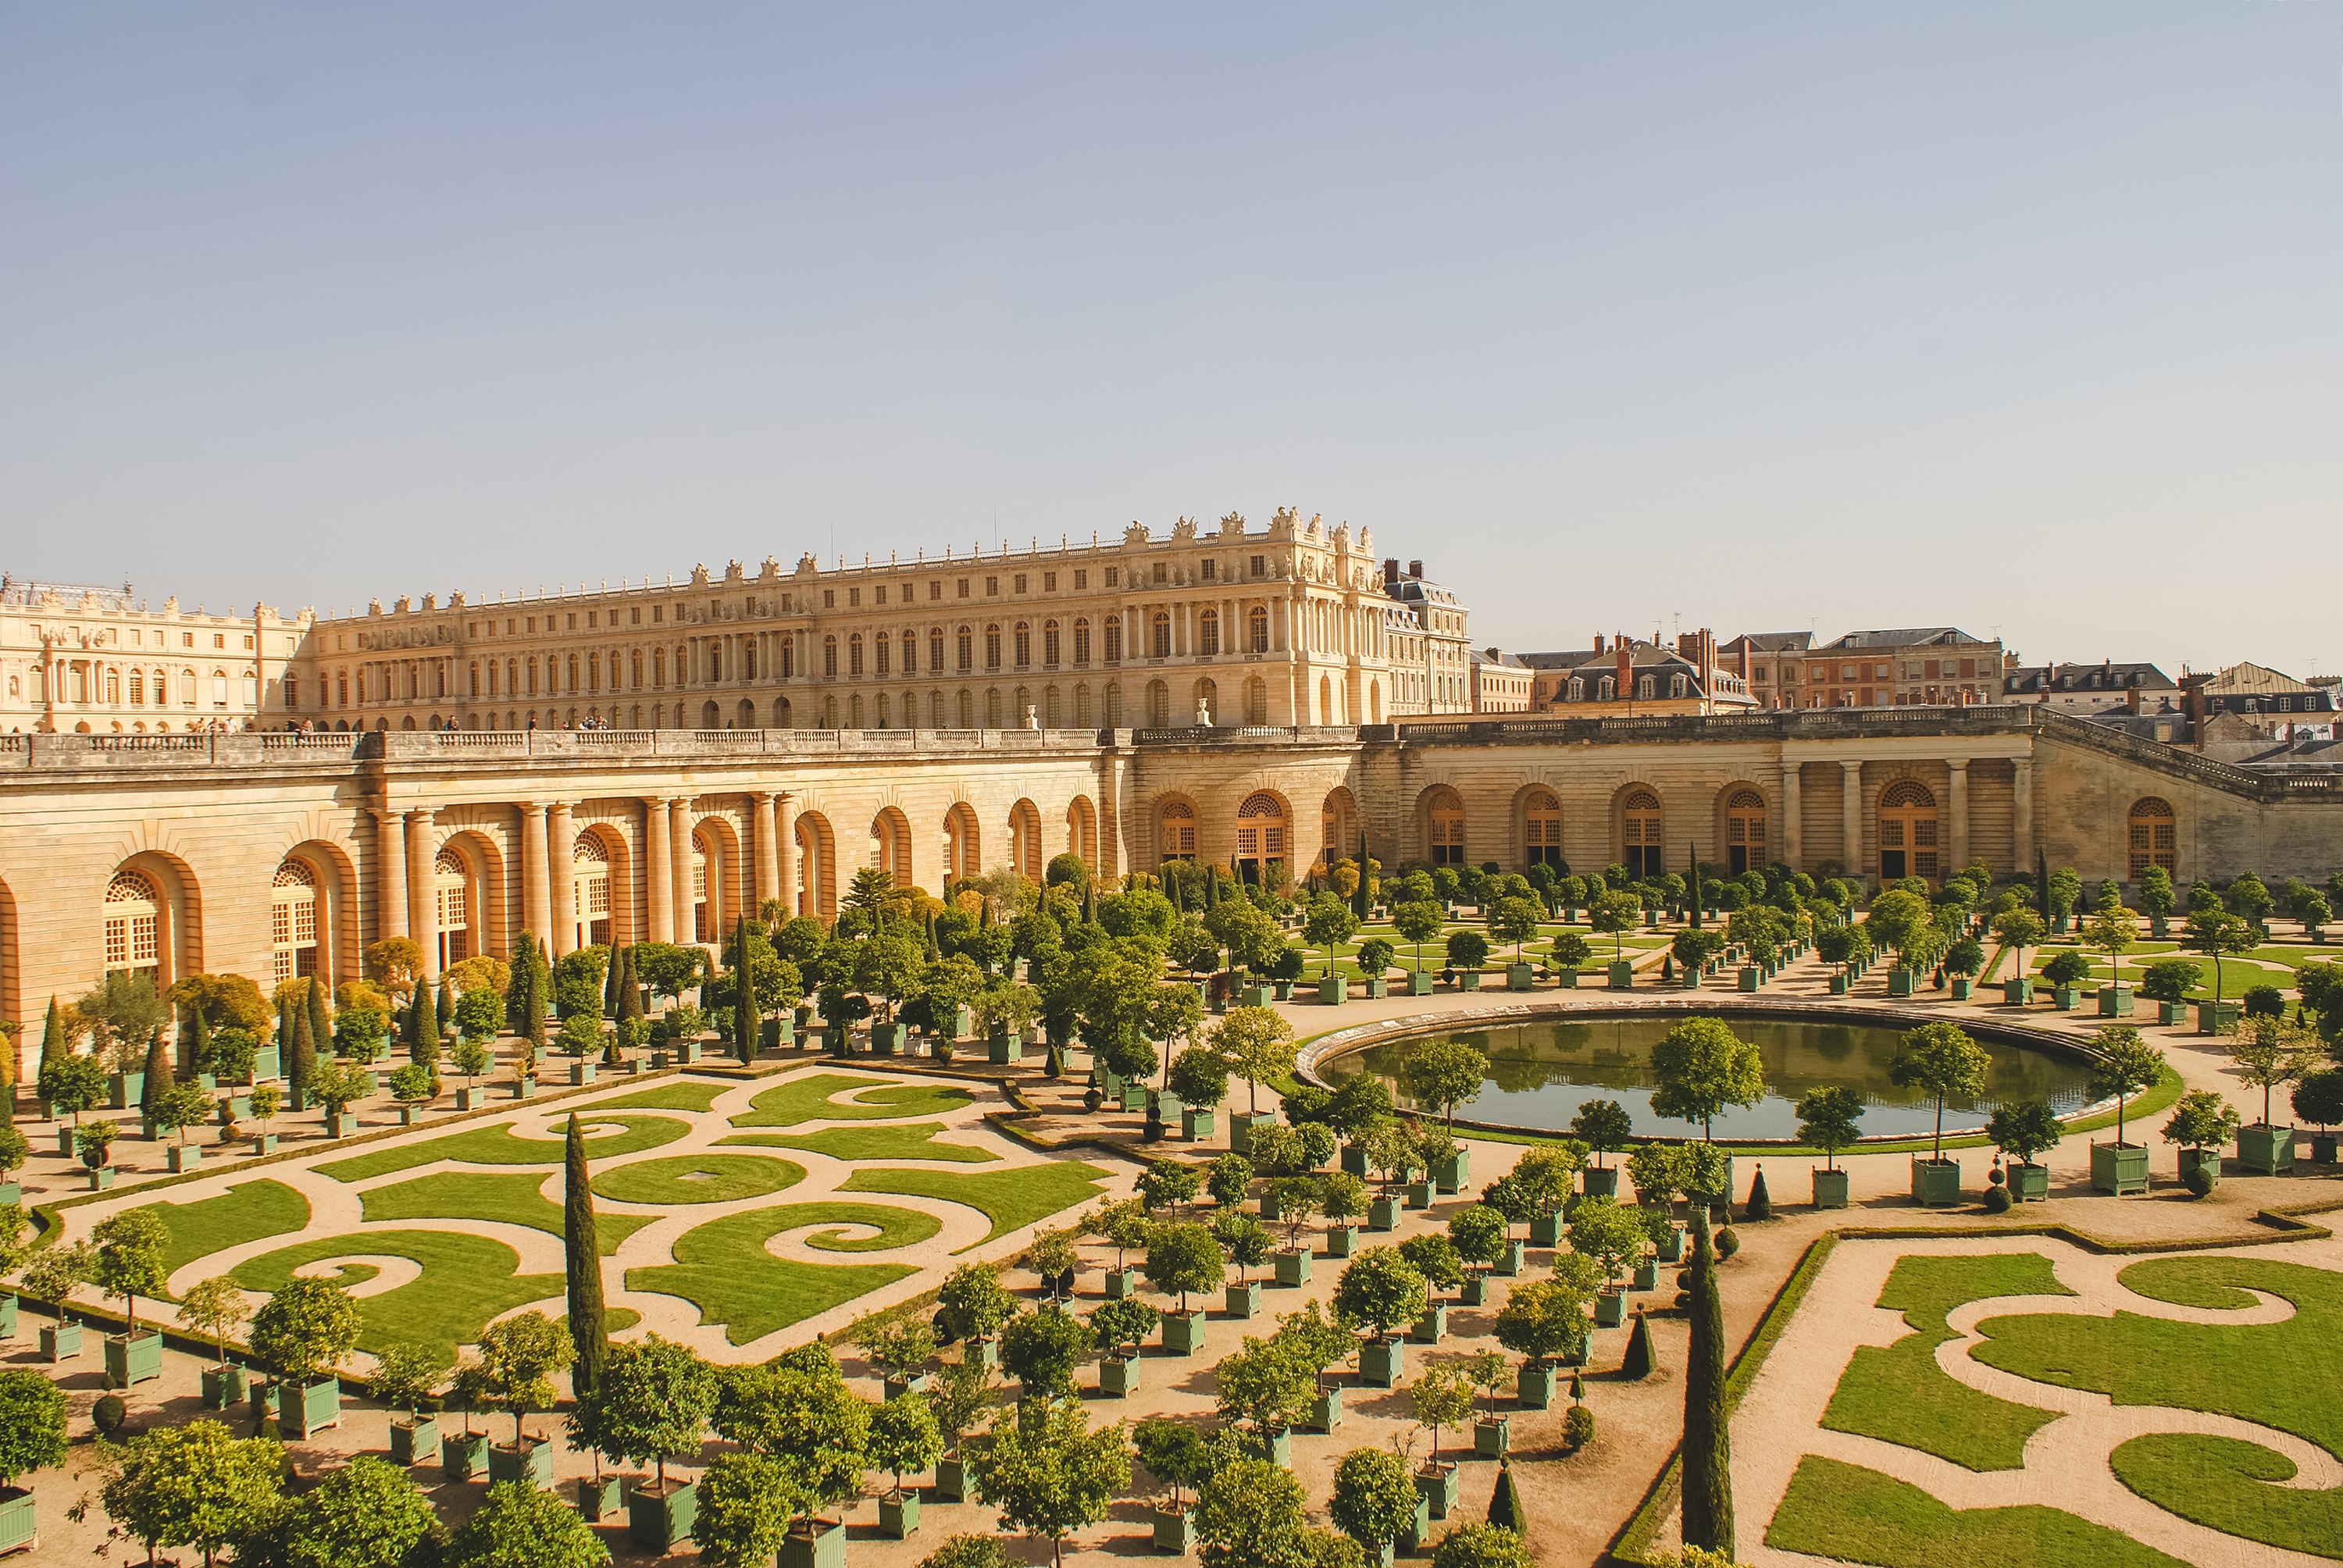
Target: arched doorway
[1644, 853]
[1338, 826]
[1907, 832]
[1260, 834]
[1744, 830]
[1025, 840]
[135, 918]
[1175, 831]
[1445, 827]
[705, 914]
[890, 833]
[589, 864]
[1082, 831]
[452, 897]
[2155, 836]
[1542, 829]
[963, 844]
[293, 921]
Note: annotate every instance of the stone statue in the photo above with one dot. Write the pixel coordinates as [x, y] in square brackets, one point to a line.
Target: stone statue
[1203, 714]
[1030, 721]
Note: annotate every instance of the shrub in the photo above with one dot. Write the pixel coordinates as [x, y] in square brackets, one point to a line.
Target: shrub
[1997, 1200]
[1761, 1202]
[1727, 1243]
[1578, 1427]
[110, 1415]
[2265, 1002]
[2199, 1182]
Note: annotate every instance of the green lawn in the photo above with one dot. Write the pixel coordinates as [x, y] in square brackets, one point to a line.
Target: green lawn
[467, 1280]
[2236, 976]
[1012, 1200]
[879, 1099]
[496, 1145]
[1852, 1514]
[681, 1095]
[1899, 1395]
[2224, 1484]
[247, 1213]
[2281, 1375]
[913, 1143]
[722, 1267]
[697, 1179]
[516, 1199]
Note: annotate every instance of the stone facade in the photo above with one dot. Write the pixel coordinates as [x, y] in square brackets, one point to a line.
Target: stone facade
[76, 659]
[217, 852]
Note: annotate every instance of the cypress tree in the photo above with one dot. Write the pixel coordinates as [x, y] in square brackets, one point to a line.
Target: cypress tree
[426, 1031]
[1707, 1431]
[1505, 1504]
[159, 1080]
[447, 1008]
[533, 1007]
[744, 996]
[302, 1052]
[1761, 1202]
[516, 984]
[1637, 1365]
[1691, 864]
[2042, 884]
[1359, 899]
[55, 1047]
[582, 1262]
[411, 1023]
[614, 973]
[194, 1041]
[1090, 902]
[631, 990]
[321, 1021]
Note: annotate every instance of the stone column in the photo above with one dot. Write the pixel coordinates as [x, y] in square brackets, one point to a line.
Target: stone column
[2022, 811]
[1793, 827]
[560, 839]
[680, 867]
[658, 882]
[1960, 844]
[768, 866]
[390, 874]
[1850, 816]
[536, 886]
[785, 851]
[422, 893]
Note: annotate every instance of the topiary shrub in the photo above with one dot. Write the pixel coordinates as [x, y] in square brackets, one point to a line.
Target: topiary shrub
[1578, 1427]
[1637, 1363]
[1683, 1300]
[2199, 1182]
[2265, 1002]
[1997, 1200]
[110, 1415]
[1761, 1202]
[1727, 1243]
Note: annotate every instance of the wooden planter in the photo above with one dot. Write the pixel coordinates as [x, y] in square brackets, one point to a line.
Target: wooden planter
[130, 1360]
[1511, 1258]
[899, 1514]
[2120, 1168]
[1830, 1189]
[1534, 1385]
[815, 1543]
[1382, 1214]
[1451, 1174]
[1418, 1194]
[1184, 1334]
[1492, 1437]
[1623, 977]
[1294, 1267]
[465, 1456]
[1342, 1240]
[2114, 1001]
[2209, 1160]
[2266, 1148]
[1244, 1124]
[1599, 1182]
[2029, 1183]
[20, 1524]
[1432, 1326]
[1243, 1300]
[1382, 1362]
[599, 1498]
[225, 1387]
[1333, 990]
[1437, 1485]
[658, 1516]
[1196, 1123]
[1326, 1409]
[1935, 1182]
[1119, 1376]
[530, 1464]
[1419, 983]
[414, 1442]
[1175, 1531]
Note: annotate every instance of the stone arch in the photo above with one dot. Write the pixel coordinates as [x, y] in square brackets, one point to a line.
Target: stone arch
[1025, 854]
[963, 840]
[892, 831]
[1440, 816]
[1745, 826]
[1256, 701]
[491, 911]
[1208, 700]
[722, 873]
[711, 716]
[1175, 829]
[746, 719]
[2152, 837]
[1264, 832]
[596, 884]
[1538, 810]
[1338, 826]
[1910, 833]
[1082, 831]
[1639, 830]
[151, 912]
[817, 889]
[1159, 704]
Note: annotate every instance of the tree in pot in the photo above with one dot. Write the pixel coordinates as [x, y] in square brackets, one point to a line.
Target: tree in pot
[1614, 915]
[338, 1087]
[72, 1084]
[366, 1515]
[1443, 1074]
[1168, 1183]
[1942, 1059]
[897, 1347]
[1122, 1226]
[1545, 1319]
[1229, 1179]
[1316, 1338]
[1443, 1400]
[2317, 1099]
[524, 1524]
[1361, 1103]
[654, 1398]
[960, 1395]
[1515, 921]
[2167, 980]
[1328, 925]
[1250, 1512]
[2219, 936]
[1571, 952]
[2270, 1052]
[194, 1486]
[1182, 1259]
[1268, 1386]
[904, 1439]
[212, 1307]
[1436, 1259]
[1040, 1350]
[1119, 1326]
[1391, 1150]
[1604, 1125]
[2202, 1119]
[971, 1305]
[1478, 1234]
[1341, 1197]
[1297, 1202]
[1054, 1257]
[1200, 1077]
[2066, 970]
[1418, 921]
[130, 1248]
[2025, 1128]
[2110, 931]
[404, 1377]
[32, 1427]
[1053, 1474]
[1607, 1235]
[1374, 1499]
[306, 1330]
[1243, 1239]
[2126, 1064]
[94, 1142]
[517, 1356]
[1375, 955]
[1965, 958]
[1257, 1043]
[1380, 1288]
[1701, 1068]
[1826, 1120]
[1175, 1454]
[1483, 1546]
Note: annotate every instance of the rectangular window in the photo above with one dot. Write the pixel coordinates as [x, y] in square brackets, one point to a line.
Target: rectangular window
[1261, 566]
[879, 594]
[1163, 571]
[991, 587]
[1114, 641]
[1209, 567]
[854, 596]
[829, 598]
[959, 588]
[854, 657]
[1081, 580]
[573, 624]
[1114, 577]
[1049, 582]
[881, 650]
[658, 614]
[935, 591]
[1020, 582]
[589, 620]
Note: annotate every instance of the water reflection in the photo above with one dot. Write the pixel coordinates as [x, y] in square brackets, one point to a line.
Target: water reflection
[1539, 1073]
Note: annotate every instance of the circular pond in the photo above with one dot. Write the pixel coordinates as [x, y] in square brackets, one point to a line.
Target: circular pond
[1541, 1069]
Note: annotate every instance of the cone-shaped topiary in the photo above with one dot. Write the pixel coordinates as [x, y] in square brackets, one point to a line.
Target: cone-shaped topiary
[159, 1080]
[303, 1064]
[1577, 1388]
[1638, 1363]
[1708, 1435]
[1505, 1503]
[447, 1007]
[582, 1262]
[321, 1020]
[1761, 1204]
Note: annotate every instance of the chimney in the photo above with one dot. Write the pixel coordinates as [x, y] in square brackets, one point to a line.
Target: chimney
[1624, 651]
[2195, 698]
[1390, 569]
[1598, 644]
[1415, 570]
[2131, 698]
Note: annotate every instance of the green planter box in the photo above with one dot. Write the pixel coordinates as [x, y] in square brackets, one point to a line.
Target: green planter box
[1242, 1301]
[1294, 1267]
[263, 1143]
[1830, 1189]
[1534, 1385]
[1469, 980]
[1326, 1409]
[1280, 1445]
[101, 1178]
[886, 1039]
[1175, 1531]
[1546, 1230]
[1433, 1327]
[2018, 992]
[1935, 1182]
[899, 1514]
[660, 1516]
[2066, 998]
[1647, 1276]
[2205, 1160]
[124, 1091]
[1623, 976]
[1269, 1206]
[225, 1388]
[2213, 1017]
[2114, 1001]
[1254, 996]
[530, 1464]
[1383, 1362]
[12, 1195]
[465, 1456]
[1518, 976]
[1511, 1258]
[1382, 1214]
[2120, 1168]
[1492, 1437]
[1134, 1097]
[1599, 1182]
[1437, 1485]
[130, 1360]
[2171, 1014]
[1196, 1123]
[1899, 982]
[20, 1523]
[1566, 978]
[183, 1157]
[2029, 1183]
[1342, 1240]
[580, 1072]
[414, 1443]
[1003, 1049]
[1418, 1194]
[525, 1087]
[1419, 983]
[304, 1411]
[1184, 1334]
[1474, 1291]
[1121, 1284]
[233, 1109]
[1671, 1251]
[1243, 1124]
[409, 1115]
[1451, 1174]
[1416, 1535]
[1963, 989]
[2268, 1149]
[1610, 1308]
[1838, 985]
[1284, 989]
[1748, 977]
[1354, 1159]
[1119, 1376]
[897, 1387]
[599, 1498]
[61, 1342]
[1378, 988]
[1333, 990]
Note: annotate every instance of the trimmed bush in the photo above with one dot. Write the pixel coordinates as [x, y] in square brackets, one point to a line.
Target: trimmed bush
[1761, 1202]
[1578, 1427]
[1727, 1243]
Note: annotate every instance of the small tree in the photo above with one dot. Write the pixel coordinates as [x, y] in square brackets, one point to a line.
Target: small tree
[1445, 1074]
[2270, 1052]
[307, 1328]
[404, 1377]
[194, 1486]
[1482, 1546]
[1826, 1120]
[2168, 979]
[1702, 1066]
[1546, 1319]
[1605, 1125]
[1041, 1349]
[1199, 1076]
[904, 1439]
[1616, 914]
[973, 1303]
[1174, 1454]
[2025, 1128]
[521, 1523]
[1571, 952]
[655, 1397]
[1467, 949]
[1443, 1397]
[2019, 929]
[1435, 1258]
[1317, 1339]
[2219, 936]
[1341, 1197]
[1242, 1238]
[897, 1347]
[1381, 1287]
[1941, 1059]
[368, 1513]
[1168, 1183]
[1120, 1325]
[130, 1247]
[1054, 1475]
[213, 1307]
[1374, 1497]
[517, 1356]
[2125, 1065]
[72, 1084]
[32, 1424]
[2202, 1119]
[1515, 921]
[1329, 924]
[1418, 921]
[1267, 1385]
[1606, 1234]
[94, 1143]
[1181, 1259]
[1229, 1179]
[1257, 1043]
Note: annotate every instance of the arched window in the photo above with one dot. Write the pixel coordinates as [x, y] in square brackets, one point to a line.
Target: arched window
[1114, 640]
[963, 847]
[854, 655]
[911, 657]
[967, 710]
[451, 891]
[1082, 642]
[829, 655]
[1542, 829]
[590, 868]
[1907, 832]
[967, 648]
[292, 921]
[134, 914]
[1159, 704]
[1260, 834]
[1050, 643]
[1024, 645]
[992, 645]
[1025, 840]
[1160, 647]
[1639, 831]
[1744, 830]
[2155, 834]
[1257, 629]
[1447, 829]
[1175, 831]
[704, 912]
[1208, 632]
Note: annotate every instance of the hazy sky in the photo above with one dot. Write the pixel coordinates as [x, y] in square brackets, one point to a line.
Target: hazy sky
[2023, 317]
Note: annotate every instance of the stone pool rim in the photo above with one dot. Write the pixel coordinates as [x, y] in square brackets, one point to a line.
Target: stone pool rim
[1359, 1036]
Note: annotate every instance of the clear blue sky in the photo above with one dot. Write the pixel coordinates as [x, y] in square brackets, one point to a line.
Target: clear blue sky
[2013, 316]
